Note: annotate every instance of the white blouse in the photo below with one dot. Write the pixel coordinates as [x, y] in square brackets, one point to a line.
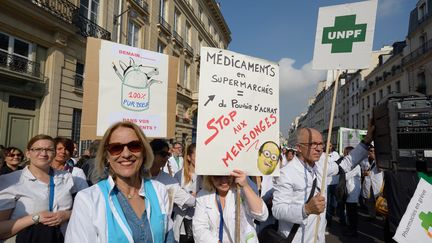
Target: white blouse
[26, 195]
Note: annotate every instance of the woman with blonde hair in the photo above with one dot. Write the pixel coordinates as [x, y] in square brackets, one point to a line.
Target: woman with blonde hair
[126, 206]
[191, 183]
[214, 219]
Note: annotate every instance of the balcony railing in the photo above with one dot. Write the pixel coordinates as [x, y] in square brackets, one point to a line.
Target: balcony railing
[88, 28]
[425, 48]
[177, 38]
[20, 65]
[62, 9]
[142, 4]
[188, 48]
[164, 24]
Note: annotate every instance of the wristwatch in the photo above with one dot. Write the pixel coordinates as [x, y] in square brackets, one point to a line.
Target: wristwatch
[36, 218]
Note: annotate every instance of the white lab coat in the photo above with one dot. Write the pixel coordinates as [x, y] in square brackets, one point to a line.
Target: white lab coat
[353, 184]
[206, 219]
[333, 157]
[374, 179]
[176, 194]
[174, 167]
[292, 189]
[88, 220]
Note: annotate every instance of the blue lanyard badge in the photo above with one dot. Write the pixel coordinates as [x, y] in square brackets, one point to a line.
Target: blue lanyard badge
[51, 190]
[221, 223]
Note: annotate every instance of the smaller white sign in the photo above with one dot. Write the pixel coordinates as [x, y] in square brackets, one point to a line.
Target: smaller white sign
[416, 223]
[344, 36]
[349, 137]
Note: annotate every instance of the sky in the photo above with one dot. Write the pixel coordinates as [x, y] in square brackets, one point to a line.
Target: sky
[283, 31]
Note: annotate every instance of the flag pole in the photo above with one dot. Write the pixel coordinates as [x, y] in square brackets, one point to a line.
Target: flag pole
[324, 174]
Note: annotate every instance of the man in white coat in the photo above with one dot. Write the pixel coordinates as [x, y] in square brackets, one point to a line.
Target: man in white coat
[175, 162]
[295, 183]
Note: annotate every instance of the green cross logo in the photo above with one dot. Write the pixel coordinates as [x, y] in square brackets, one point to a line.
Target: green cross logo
[344, 33]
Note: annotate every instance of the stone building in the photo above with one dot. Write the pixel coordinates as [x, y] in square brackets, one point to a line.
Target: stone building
[43, 47]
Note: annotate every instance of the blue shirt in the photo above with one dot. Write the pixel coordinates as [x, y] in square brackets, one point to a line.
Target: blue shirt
[140, 227]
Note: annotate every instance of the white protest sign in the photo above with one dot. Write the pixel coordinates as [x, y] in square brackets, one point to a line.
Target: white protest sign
[238, 114]
[416, 223]
[344, 36]
[133, 87]
[349, 137]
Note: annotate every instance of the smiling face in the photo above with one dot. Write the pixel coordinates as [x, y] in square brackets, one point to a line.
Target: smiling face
[268, 158]
[222, 184]
[13, 158]
[127, 163]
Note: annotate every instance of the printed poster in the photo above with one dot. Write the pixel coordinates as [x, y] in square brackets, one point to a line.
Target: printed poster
[349, 137]
[416, 223]
[133, 86]
[344, 36]
[238, 114]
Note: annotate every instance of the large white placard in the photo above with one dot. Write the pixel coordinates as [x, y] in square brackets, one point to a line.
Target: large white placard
[133, 86]
[238, 114]
[344, 36]
[416, 223]
[349, 137]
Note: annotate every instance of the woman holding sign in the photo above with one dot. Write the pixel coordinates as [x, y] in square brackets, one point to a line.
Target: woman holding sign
[214, 218]
[126, 206]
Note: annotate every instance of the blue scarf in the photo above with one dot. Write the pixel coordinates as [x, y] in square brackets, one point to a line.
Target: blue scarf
[157, 218]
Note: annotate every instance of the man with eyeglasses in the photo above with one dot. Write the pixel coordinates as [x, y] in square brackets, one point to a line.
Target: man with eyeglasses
[297, 199]
[175, 162]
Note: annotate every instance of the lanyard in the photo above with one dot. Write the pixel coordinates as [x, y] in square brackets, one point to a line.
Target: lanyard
[51, 190]
[221, 223]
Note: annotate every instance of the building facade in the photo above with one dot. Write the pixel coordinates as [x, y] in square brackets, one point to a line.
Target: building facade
[42, 56]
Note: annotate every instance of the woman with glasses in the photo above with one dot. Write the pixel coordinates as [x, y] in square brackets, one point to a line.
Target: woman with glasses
[127, 206]
[191, 183]
[12, 161]
[214, 219]
[35, 201]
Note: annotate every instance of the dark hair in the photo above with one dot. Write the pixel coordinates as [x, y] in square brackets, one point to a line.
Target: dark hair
[37, 138]
[158, 145]
[66, 142]
[9, 150]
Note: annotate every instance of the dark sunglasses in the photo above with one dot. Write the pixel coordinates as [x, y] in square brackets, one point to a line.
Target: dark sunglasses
[117, 148]
[164, 154]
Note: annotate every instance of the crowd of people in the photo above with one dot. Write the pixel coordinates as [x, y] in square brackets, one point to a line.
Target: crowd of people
[127, 188]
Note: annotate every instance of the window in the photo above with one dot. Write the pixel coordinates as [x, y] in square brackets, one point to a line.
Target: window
[133, 34]
[388, 89]
[367, 102]
[398, 88]
[421, 83]
[201, 13]
[89, 9]
[4, 42]
[79, 75]
[17, 102]
[161, 47]
[374, 99]
[76, 125]
[380, 93]
[177, 20]
[363, 104]
[186, 79]
[187, 34]
[162, 8]
[422, 11]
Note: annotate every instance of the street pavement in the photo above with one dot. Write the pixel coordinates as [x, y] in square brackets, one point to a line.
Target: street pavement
[368, 230]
